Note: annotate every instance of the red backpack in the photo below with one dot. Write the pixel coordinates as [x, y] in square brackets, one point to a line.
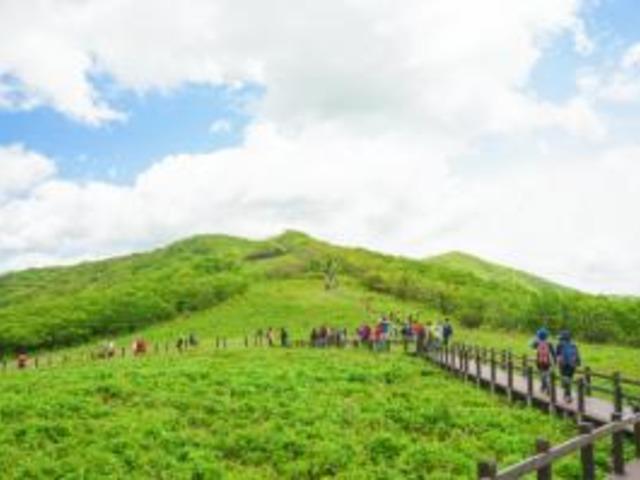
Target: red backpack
[544, 355]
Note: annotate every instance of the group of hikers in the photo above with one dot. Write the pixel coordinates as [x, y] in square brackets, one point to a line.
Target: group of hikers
[388, 327]
[565, 355]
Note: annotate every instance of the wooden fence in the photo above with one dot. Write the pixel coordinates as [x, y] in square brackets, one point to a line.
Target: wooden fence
[622, 391]
[542, 462]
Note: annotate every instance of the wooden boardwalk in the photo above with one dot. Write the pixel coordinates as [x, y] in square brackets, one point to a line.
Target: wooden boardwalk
[632, 472]
[589, 412]
[596, 410]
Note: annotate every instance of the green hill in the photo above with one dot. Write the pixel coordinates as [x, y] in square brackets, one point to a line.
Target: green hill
[52, 307]
[491, 272]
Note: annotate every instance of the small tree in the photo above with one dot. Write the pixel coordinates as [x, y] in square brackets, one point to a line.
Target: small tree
[330, 270]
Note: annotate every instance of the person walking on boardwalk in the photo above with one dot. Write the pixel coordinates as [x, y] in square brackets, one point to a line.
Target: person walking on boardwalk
[568, 358]
[545, 357]
[447, 332]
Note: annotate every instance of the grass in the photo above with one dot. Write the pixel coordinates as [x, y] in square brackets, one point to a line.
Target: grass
[268, 413]
[259, 413]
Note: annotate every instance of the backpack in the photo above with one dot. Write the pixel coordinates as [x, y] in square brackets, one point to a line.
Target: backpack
[569, 356]
[543, 355]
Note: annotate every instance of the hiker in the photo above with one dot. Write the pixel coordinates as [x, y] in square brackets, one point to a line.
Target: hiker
[545, 357]
[270, 336]
[421, 337]
[284, 337]
[378, 337]
[323, 336]
[568, 358]
[139, 347]
[436, 334]
[313, 338]
[108, 350]
[407, 331]
[364, 333]
[22, 359]
[345, 337]
[447, 332]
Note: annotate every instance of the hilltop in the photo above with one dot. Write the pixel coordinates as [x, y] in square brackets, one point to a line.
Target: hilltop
[52, 307]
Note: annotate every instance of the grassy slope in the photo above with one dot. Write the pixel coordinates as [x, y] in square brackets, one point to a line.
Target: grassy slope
[464, 263]
[260, 413]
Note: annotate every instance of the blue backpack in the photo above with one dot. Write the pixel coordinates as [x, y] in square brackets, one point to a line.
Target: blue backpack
[569, 355]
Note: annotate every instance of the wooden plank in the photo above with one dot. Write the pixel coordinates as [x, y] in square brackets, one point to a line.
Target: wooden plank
[632, 472]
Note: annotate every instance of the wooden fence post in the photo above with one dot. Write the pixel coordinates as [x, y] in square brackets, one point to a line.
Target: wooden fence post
[122, 352]
[525, 364]
[510, 378]
[467, 351]
[478, 369]
[636, 431]
[487, 470]
[529, 385]
[587, 380]
[503, 359]
[617, 447]
[493, 371]
[553, 393]
[586, 454]
[543, 446]
[446, 356]
[581, 400]
[617, 393]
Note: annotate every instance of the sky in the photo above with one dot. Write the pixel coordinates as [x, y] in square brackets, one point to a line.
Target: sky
[503, 128]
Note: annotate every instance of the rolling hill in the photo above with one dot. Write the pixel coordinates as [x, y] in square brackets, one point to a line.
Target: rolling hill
[53, 307]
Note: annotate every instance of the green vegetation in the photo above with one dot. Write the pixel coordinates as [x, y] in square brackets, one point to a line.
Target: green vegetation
[259, 413]
[59, 306]
[264, 413]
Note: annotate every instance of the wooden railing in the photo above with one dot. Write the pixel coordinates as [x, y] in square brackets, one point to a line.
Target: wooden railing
[546, 455]
[622, 391]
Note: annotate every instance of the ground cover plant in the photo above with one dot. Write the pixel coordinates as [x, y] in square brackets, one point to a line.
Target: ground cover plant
[260, 413]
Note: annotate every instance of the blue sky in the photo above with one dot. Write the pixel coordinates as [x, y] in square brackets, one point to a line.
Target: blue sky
[156, 124]
[505, 129]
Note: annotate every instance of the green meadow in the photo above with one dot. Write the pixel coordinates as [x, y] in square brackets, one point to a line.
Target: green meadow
[259, 412]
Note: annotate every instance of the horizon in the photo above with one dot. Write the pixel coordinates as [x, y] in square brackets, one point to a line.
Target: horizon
[504, 130]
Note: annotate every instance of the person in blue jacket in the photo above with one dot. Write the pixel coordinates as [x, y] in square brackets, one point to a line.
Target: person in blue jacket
[568, 360]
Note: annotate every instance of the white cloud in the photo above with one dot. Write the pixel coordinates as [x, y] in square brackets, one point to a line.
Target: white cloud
[454, 65]
[618, 84]
[566, 220]
[21, 170]
[220, 126]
